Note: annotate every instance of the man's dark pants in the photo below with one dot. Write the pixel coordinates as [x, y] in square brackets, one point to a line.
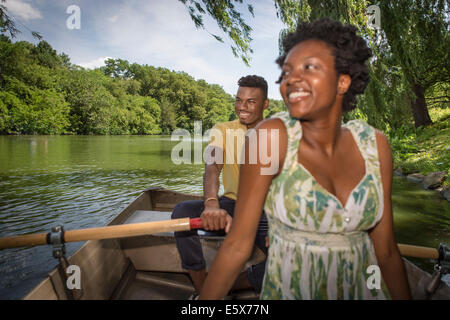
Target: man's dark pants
[188, 242]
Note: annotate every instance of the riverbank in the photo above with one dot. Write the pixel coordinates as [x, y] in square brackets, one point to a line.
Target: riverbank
[422, 154]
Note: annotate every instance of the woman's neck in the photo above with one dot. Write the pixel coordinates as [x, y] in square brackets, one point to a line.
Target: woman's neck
[323, 133]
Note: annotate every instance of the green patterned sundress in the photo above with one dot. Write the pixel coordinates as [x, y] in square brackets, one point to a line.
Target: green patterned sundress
[320, 249]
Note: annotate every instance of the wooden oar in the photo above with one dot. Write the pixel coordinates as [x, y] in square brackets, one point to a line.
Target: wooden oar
[146, 228]
[108, 232]
[418, 252]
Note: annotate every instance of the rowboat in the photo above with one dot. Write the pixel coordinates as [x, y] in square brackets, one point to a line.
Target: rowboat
[148, 267]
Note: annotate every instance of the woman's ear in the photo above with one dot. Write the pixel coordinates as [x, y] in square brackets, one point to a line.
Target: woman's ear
[344, 82]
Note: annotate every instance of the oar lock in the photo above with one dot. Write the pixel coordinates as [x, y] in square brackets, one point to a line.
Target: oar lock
[442, 267]
[443, 263]
[56, 239]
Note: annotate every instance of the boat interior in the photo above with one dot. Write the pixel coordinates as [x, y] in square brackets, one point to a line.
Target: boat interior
[149, 267]
[137, 268]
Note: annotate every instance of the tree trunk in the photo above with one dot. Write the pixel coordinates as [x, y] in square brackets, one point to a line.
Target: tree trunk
[419, 107]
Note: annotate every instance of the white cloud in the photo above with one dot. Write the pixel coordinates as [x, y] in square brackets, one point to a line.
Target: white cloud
[23, 10]
[161, 33]
[113, 18]
[96, 63]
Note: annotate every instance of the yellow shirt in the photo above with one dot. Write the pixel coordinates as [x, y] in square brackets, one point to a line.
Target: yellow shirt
[229, 137]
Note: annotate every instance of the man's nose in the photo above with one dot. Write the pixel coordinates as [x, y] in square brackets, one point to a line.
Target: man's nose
[244, 105]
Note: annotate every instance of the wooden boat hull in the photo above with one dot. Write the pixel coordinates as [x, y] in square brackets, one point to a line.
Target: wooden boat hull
[149, 267]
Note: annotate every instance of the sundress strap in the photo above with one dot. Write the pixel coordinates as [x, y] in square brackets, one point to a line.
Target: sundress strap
[365, 138]
[294, 133]
[363, 134]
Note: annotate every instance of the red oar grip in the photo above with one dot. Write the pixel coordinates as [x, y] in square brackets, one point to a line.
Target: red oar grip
[196, 223]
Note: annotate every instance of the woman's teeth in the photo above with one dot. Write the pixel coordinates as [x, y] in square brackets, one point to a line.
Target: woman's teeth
[298, 94]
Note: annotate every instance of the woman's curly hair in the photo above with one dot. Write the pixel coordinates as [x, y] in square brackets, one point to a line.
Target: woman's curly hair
[350, 51]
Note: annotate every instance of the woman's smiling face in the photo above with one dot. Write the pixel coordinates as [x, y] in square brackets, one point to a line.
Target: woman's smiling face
[309, 81]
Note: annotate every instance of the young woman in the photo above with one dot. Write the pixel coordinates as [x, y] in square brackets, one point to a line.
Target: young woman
[329, 204]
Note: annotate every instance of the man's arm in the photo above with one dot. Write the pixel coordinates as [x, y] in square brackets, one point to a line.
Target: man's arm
[211, 183]
[252, 191]
[213, 217]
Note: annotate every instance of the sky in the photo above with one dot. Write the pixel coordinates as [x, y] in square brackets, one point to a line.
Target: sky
[154, 32]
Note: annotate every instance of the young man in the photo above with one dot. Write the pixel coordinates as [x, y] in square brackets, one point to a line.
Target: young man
[217, 212]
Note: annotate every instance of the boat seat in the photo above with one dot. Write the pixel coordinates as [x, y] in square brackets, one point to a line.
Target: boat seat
[140, 216]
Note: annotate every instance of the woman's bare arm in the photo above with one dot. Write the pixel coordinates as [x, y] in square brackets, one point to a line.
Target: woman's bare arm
[382, 235]
[238, 245]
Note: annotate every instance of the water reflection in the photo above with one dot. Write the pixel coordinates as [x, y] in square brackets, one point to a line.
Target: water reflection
[84, 181]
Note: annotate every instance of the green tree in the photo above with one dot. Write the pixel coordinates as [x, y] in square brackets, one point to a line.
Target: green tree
[117, 68]
[43, 93]
[46, 55]
[90, 101]
[418, 36]
[275, 106]
[228, 19]
[413, 46]
[41, 112]
[6, 24]
[168, 116]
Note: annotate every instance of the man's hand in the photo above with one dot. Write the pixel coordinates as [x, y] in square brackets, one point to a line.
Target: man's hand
[215, 218]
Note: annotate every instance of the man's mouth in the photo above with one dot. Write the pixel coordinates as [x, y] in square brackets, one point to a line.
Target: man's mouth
[298, 95]
[244, 114]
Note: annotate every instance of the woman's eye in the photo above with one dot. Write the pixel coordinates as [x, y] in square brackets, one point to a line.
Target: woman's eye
[310, 66]
[284, 74]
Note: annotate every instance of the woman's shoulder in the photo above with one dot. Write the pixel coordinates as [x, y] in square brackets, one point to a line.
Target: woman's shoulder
[285, 118]
[361, 129]
[271, 123]
[282, 121]
[365, 130]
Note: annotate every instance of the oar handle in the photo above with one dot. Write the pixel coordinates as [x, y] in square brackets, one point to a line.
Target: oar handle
[108, 232]
[418, 251]
[146, 228]
[196, 223]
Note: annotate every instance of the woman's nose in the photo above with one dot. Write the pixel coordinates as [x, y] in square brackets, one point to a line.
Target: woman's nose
[294, 76]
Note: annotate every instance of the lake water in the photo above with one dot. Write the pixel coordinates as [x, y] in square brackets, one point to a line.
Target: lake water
[84, 181]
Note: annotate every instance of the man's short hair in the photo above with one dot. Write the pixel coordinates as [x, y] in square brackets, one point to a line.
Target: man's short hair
[254, 81]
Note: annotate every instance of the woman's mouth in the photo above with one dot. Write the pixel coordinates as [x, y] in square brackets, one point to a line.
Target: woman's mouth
[298, 95]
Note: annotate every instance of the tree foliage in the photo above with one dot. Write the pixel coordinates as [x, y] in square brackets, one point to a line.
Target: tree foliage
[410, 68]
[229, 19]
[41, 92]
[7, 25]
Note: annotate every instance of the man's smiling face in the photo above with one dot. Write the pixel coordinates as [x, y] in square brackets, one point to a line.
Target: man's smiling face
[249, 105]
